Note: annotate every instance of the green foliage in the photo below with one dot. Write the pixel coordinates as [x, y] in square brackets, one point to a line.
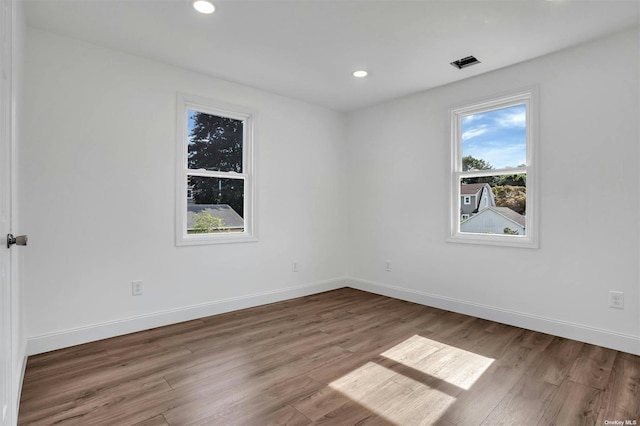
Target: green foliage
[205, 223]
[472, 163]
[510, 231]
[511, 180]
[514, 197]
[207, 190]
[215, 143]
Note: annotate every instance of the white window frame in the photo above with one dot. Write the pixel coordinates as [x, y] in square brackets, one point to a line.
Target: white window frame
[190, 102]
[527, 97]
[467, 200]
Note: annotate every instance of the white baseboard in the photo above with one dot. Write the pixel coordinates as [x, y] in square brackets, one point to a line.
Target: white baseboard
[79, 335]
[596, 336]
[62, 339]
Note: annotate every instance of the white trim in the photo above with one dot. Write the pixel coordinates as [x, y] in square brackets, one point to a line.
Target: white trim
[9, 87]
[466, 200]
[21, 373]
[75, 336]
[187, 102]
[584, 333]
[529, 98]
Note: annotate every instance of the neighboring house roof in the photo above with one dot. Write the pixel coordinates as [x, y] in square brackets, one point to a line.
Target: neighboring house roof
[230, 218]
[482, 192]
[493, 220]
[471, 188]
[503, 211]
[511, 214]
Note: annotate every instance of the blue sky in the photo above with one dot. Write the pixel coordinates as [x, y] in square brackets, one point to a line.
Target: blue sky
[190, 122]
[497, 136]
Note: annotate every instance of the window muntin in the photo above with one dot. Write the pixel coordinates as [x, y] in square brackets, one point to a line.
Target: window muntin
[492, 148]
[215, 173]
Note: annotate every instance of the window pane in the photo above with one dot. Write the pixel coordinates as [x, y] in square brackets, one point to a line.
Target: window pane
[216, 205]
[214, 143]
[498, 205]
[494, 139]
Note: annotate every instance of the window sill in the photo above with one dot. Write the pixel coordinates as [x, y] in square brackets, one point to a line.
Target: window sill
[494, 240]
[200, 240]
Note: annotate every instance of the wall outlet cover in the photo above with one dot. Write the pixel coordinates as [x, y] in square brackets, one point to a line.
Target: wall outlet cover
[616, 299]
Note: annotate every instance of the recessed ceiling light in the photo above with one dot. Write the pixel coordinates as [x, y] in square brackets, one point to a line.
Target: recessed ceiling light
[203, 6]
[360, 73]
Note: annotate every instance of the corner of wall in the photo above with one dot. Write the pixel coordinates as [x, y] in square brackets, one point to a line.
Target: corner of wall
[596, 336]
[90, 333]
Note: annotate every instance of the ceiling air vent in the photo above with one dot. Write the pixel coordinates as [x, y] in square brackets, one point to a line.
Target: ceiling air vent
[465, 62]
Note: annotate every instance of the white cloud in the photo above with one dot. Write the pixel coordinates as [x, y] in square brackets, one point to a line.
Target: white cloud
[474, 131]
[513, 119]
[470, 118]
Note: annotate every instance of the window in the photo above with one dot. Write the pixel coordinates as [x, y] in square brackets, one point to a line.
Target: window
[467, 199]
[493, 155]
[214, 172]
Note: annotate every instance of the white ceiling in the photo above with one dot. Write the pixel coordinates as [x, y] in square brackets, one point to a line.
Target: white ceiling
[307, 49]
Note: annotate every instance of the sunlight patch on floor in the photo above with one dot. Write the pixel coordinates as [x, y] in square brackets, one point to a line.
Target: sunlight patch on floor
[454, 365]
[414, 382]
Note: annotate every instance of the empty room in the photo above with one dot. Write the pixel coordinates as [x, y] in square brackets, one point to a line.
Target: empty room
[270, 212]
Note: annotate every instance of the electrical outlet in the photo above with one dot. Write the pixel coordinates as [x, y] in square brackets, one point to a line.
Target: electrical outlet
[387, 266]
[136, 288]
[616, 299]
[294, 266]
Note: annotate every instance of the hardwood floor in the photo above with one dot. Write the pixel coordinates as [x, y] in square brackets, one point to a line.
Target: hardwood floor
[343, 357]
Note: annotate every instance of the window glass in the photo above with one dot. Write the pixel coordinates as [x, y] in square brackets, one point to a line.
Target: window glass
[495, 139]
[221, 199]
[502, 207]
[215, 142]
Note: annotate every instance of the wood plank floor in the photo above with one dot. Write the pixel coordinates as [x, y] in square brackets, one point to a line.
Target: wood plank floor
[343, 357]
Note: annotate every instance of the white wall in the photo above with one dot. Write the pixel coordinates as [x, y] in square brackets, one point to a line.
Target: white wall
[97, 183]
[97, 191]
[589, 210]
